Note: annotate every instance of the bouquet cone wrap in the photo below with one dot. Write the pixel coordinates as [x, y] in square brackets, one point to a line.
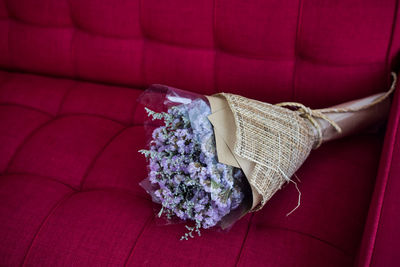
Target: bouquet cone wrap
[271, 142]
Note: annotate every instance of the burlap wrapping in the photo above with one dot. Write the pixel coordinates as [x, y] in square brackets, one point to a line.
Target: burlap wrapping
[278, 140]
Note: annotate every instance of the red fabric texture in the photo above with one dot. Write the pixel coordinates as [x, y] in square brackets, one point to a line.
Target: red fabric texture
[381, 241]
[71, 72]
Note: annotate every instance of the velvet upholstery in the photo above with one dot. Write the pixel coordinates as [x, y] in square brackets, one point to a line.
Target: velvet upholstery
[70, 74]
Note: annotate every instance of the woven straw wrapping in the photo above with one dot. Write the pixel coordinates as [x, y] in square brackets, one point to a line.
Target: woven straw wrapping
[276, 139]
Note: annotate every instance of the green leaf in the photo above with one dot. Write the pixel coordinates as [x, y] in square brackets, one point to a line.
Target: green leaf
[214, 184]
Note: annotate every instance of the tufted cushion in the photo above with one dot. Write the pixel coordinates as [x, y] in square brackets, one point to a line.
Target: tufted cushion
[69, 189]
[311, 51]
[71, 72]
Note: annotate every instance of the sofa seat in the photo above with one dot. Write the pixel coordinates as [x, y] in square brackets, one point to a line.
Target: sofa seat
[69, 189]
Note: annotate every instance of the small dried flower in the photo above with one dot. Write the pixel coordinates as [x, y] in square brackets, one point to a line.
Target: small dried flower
[192, 184]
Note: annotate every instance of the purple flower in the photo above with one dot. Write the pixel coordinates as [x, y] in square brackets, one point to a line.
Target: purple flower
[154, 167]
[192, 184]
[198, 207]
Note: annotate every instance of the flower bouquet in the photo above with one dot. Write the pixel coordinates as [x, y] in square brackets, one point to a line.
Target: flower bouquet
[213, 159]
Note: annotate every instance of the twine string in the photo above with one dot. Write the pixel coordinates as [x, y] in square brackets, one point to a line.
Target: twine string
[312, 114]
[262, 128]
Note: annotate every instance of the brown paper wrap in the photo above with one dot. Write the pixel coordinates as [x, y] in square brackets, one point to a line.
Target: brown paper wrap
[270, 142]
[260, 137]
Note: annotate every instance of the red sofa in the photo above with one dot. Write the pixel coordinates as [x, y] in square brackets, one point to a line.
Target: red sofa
[70, 128]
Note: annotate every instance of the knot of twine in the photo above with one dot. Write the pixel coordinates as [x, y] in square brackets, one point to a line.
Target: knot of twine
[312, 114]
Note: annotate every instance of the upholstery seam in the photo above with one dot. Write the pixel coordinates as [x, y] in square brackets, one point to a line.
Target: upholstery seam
[389, 48]
[71, 114]
[114, 190]
[214, 30]
[345, 65]
[144, 39]
[25, 140]
[30, 135]
[92, 163]
[142, 64]
[244, 240]
[104, 36]
[9, 15]
[133, 112]
[378, 224]
[387, 176]
[253, 57]
[176, 44]
[124, 86]
[131, 252]
[51, 212]
[92, 189]
[27, 107]
[74, 28]
[75, 84]
[38, 25]
[73, 58]
[309, 60]
[390, 44]
[49, 178]
[10, 18]
[346, 253]
[68, 114]
[296, 47]
[8, 79]
[210, 49]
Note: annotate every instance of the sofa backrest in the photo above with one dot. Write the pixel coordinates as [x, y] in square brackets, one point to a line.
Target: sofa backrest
[320, 52]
